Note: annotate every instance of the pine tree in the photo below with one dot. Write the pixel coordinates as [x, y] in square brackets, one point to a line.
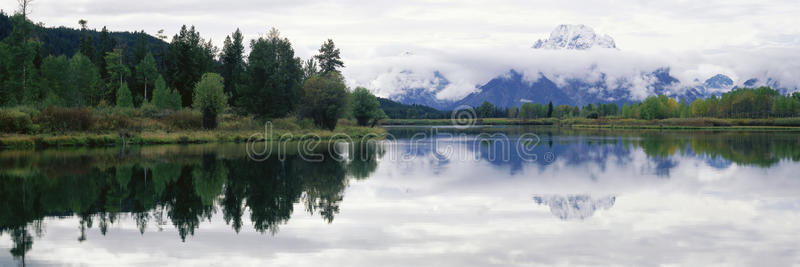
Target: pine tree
[329, 58]
[124, 97]
[232, 59]
[275, 76]
[161, 94]
[188, 57]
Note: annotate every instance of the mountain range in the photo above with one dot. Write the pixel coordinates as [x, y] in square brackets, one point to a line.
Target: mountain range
[514, 88]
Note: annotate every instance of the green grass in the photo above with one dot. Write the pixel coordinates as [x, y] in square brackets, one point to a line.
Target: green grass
[18, 141]
[486, 121]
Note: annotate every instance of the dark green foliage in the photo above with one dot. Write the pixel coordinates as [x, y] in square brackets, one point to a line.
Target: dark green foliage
[233, 65]
[325, 99]
[55, 78]
[309, 68]
[18, 72]
[84, 87]
[67, 41]
[274, 78]
[329, 58]
[118, 71]
[397, 110]
[188, 57]
[58, 119]
[550, 109]
[365, 106]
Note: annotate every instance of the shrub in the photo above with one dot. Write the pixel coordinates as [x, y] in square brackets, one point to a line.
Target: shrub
[209, 97]
[60, 119]
[14, 121]
[592, 115]
[113, 121]
[185, 119]
[150, 110]
[325, 99]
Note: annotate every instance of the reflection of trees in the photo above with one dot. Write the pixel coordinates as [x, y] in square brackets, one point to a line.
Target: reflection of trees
[180, 188]
[762, 149]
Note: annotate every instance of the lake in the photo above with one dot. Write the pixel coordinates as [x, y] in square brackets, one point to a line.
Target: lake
[424, 196]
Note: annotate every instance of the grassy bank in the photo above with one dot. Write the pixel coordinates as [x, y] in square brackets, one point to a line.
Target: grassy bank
[30, 128]
[79, 139]
[614, 122]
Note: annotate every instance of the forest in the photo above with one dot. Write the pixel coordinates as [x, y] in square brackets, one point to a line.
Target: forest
[53, 82]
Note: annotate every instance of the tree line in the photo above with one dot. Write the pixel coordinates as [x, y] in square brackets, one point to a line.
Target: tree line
[187, 72]
[762, 102]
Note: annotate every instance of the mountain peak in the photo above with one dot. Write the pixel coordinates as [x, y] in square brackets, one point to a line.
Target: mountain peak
[719, 81]
[574, 36]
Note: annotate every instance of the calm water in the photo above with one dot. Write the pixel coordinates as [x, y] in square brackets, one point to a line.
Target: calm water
[431, 198]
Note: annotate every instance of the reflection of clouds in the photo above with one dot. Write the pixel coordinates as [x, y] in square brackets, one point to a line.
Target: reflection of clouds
[574, 207]
[474, 213]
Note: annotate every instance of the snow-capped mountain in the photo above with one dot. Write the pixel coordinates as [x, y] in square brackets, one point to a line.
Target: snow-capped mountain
[580, 37]
[574, 207]
[715, 85]
[515, 87]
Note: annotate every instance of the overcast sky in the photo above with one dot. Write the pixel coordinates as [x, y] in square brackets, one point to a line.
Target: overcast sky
[697, 37]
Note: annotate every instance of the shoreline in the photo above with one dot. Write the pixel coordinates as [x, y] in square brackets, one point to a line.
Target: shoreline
[86, 139]
[620, 123]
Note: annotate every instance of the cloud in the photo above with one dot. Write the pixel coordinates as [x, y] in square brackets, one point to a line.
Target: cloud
[471, 42]
[469, 68]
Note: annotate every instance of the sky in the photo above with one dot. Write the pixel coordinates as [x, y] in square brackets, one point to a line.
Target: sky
[472, 41]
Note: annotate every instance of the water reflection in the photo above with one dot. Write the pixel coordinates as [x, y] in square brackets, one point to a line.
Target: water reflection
[180, 185]
[403, 195]
[574, 207]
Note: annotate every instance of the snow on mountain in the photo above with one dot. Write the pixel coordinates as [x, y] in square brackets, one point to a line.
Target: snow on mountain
[578, 37]
[574, 207]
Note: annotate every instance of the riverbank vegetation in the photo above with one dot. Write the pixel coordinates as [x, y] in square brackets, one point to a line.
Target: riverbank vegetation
[182, 91]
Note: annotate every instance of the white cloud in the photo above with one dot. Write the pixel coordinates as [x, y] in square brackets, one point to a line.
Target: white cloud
[471, 42]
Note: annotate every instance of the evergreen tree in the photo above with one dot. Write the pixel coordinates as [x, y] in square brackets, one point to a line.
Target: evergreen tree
[550, 109]
[107, 44]
[274, 78]
[124, 97]
[188, 57]
[232, 59]
[86, 46]
[328, 57]
[161, 94]
[309, 69]
[55, 78]
[175, 101]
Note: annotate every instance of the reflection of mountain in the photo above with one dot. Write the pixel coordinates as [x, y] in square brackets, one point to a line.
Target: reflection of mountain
[574, 207]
